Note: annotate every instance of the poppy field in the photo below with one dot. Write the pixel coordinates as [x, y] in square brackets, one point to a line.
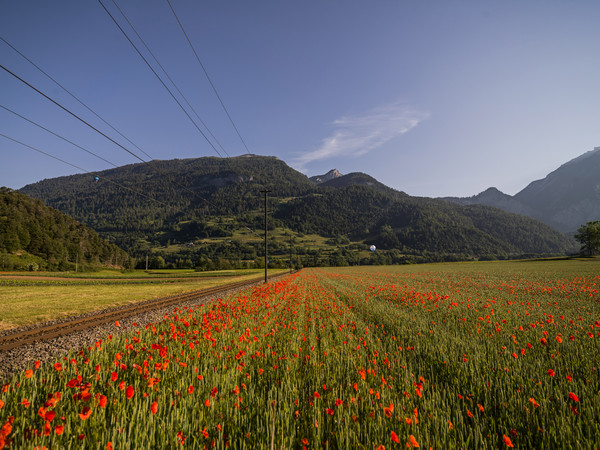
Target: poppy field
[482, 355]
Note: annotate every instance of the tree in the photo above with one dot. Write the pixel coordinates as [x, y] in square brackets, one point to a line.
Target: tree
[589, 237]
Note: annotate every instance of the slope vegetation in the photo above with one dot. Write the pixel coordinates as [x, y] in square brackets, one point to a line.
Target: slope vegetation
[200, 208]
[48, 239]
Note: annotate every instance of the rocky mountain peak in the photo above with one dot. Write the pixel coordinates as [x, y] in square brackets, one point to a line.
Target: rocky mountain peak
[331, 175]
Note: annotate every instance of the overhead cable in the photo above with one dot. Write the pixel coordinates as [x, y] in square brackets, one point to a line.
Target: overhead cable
[98, 131]
[169, 77]
[160, 79]
[82, 169]
[58, 135]
[208, 77]
[74, 97]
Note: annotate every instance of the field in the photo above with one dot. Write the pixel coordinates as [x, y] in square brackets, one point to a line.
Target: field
[28, 298]
[471, 355]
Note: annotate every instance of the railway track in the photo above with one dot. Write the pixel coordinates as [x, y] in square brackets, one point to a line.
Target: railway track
[46, 332]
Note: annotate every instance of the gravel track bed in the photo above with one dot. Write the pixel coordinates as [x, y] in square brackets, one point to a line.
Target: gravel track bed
[24, 357]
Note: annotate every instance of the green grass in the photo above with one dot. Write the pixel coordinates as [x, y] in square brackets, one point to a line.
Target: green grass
[465, 355]
[34, 300]
[137, 274]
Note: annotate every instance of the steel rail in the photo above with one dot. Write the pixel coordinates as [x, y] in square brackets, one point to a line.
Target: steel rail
[46, 332]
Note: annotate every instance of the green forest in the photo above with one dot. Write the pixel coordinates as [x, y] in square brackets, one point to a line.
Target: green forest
[36, 237]
[208, 213]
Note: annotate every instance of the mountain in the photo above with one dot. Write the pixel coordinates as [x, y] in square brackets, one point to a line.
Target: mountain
[414, 225]
[33, 235]
[360, 179]
[331, 175]
[565, 199]
[206, 208]
[496, 198]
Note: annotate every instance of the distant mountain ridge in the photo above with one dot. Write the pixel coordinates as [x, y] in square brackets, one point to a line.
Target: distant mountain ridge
[187, 200]
[565, 199]
[331, 175]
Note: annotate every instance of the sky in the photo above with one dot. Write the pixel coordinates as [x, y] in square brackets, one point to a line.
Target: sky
[434, 98]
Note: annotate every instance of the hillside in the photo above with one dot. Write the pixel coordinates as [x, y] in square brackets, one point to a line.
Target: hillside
[565, 199]
[33, 235]
[210, 209]
[360, 179]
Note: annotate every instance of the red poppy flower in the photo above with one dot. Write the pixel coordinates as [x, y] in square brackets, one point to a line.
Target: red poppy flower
[413, 442]
[573, 397]
[551, 372]
[190, 389]
[388, 411]
[394, 437]
[154, 407]
[129, 392]
[507, 441]
[102, 401]
[85, 413]
[58, 429]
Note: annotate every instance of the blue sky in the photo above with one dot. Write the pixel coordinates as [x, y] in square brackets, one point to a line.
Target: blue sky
[434, 98]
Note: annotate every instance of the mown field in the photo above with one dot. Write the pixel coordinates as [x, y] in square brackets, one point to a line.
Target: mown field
[477, 355]
[26, 299]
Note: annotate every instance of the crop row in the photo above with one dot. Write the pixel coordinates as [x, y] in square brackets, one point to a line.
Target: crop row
[354, 358]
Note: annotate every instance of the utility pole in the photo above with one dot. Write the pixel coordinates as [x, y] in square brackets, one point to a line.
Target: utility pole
[266, 191]
[291, 267]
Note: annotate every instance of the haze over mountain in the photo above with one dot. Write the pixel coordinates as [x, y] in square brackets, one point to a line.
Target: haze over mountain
[145, 207]
[565, 199]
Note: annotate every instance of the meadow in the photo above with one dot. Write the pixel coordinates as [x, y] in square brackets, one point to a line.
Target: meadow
[29, 298]
[464, 355]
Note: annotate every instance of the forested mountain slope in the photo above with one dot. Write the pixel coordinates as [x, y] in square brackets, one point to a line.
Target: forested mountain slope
[565, 199]
[57, 240]
[181, 201]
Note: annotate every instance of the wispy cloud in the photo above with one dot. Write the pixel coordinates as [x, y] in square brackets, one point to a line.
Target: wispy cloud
[358, 135]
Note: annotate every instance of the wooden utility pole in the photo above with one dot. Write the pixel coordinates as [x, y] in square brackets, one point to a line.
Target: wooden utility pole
[266, 191]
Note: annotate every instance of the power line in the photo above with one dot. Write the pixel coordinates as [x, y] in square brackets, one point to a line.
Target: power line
[74, 96]
[100, 132]
[207, 77]
[159, 79]
[72, 114]
[82, 169]
[169, 77]
[58, 135]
